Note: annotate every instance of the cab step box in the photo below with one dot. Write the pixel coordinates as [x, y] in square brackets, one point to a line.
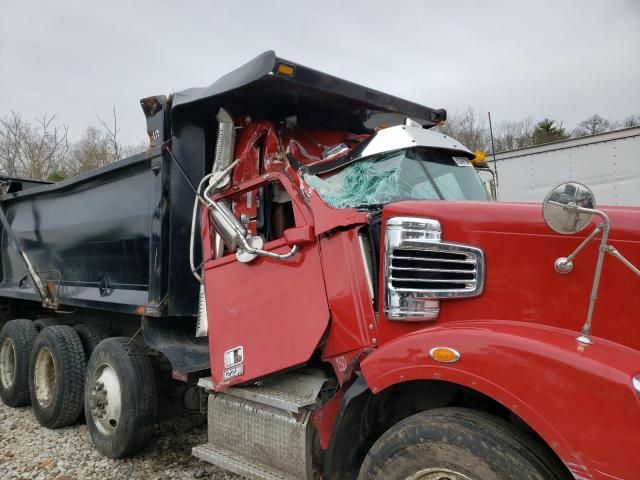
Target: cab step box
[262, 432]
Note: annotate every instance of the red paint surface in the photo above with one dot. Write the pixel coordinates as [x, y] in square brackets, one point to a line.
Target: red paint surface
[521, 283]
[324, 418]
[276, 309]
[578, 399]
[521, 349]
[353, 323]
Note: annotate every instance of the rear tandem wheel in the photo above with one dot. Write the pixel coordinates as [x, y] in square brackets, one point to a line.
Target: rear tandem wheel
[120, 397]
[56, 376]
[16, 342]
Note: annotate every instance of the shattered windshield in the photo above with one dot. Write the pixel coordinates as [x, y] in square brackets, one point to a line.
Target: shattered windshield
[413, 174]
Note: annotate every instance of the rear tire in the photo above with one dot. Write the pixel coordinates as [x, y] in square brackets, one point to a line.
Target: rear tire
[42, 323]
[16, 342]
[458, 444]
[120, 398]
[56, 376]
[90, 337]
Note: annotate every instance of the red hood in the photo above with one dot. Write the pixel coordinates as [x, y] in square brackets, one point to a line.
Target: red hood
[521, 283]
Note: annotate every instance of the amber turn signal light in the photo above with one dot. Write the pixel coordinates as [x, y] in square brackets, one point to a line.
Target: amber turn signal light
[444, 354]
[286, 70]
[479, 159]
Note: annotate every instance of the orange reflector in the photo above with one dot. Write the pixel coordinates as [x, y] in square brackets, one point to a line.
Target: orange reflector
[287, 70]
[444, 354]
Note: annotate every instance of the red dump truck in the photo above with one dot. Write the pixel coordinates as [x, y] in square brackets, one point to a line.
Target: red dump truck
[327, 278]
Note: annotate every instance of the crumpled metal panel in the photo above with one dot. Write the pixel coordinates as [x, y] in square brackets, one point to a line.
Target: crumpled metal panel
[255, 437]
[289, 392]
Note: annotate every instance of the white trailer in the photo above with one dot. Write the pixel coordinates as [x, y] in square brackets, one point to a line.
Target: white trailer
[609, 163]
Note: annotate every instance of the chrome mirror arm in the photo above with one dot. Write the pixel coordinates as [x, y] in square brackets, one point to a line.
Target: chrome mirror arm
[616, 254]
[604, 227]
[564, 265]
[246, 248]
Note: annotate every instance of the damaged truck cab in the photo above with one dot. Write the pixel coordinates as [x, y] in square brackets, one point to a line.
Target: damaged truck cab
[329, 272]
[361, 294]
[285, 208]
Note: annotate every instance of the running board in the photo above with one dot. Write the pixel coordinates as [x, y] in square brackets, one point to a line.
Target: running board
[262, 432]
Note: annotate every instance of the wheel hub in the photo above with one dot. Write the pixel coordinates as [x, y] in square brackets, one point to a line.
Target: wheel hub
[7, 363]
[438, 474]
[105, 400]
[44, 377]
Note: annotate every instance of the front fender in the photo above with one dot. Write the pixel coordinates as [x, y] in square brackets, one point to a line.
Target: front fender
[578, 398]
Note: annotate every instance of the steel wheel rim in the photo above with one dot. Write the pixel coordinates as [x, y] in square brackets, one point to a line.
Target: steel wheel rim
[44, 377]
[105, 400]
[438, 474]
[7, 363]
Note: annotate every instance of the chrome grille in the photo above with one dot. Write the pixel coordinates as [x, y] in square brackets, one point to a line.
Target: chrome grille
[420, 269]
[437, 267]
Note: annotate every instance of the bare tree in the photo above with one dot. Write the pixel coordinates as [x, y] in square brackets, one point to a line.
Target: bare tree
[99, 147]
[113, 133]
[469, 128]
[35, 150]
[93, 150]
[592, 125]
[631, 121]
[514, 134]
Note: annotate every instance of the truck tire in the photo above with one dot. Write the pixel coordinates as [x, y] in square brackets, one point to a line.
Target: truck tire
[120, 398]
[90, 337]
[42, 323]
[457, 444]
[16, 342]
[56, 376]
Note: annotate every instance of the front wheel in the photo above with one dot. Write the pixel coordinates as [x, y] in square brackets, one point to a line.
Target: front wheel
[457, 444]
[120, 398]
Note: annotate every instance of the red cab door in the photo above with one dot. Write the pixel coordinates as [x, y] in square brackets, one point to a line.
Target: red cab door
[267, 315]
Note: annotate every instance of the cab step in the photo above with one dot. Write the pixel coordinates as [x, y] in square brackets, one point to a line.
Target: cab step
[262, 431]
[229, 460]
[291, 392]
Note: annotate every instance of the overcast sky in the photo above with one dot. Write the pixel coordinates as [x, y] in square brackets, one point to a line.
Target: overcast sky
[560, 59]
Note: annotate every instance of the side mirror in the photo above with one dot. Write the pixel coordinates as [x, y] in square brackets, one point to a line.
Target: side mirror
[566, 208]
[299, 235]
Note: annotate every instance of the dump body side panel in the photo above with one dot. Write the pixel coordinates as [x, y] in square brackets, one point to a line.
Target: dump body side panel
[89, 236]
[101, 238]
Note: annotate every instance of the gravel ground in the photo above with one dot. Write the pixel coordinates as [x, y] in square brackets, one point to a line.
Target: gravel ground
[28, 450]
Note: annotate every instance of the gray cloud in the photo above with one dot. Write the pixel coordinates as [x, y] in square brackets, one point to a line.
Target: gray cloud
[564, 60]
